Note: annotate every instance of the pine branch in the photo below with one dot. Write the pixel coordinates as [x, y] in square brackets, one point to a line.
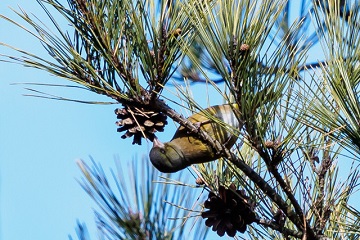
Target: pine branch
[285, 187]
[321, 217]
[138, 206]
[247, 170]
[285, 231]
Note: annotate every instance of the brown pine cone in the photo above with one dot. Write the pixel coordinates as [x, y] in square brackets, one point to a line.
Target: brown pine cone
[139, 123]
[229, 212]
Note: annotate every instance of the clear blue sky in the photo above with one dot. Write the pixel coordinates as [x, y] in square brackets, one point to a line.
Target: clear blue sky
[40, 141]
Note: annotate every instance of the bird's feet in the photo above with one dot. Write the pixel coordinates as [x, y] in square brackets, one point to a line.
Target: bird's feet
[199, 124]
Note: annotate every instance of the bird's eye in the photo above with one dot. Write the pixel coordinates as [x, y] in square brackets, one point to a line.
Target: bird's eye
[162, 150]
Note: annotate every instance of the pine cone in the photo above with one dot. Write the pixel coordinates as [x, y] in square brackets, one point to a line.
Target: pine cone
[229, 212]
[269, 144]
[140, 123]
[199, 181]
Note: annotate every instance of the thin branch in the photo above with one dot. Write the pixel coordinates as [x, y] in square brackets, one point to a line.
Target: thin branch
[247, 170]
[320, 200]
[277, 227]
[284, 186]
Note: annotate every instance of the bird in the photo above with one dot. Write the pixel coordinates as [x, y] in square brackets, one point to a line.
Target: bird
[185, 148]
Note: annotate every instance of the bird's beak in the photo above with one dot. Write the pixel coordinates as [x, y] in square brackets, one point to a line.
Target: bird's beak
[157, 143]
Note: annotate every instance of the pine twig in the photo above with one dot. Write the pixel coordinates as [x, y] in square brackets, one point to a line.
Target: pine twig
[247, 170]
[274, 226]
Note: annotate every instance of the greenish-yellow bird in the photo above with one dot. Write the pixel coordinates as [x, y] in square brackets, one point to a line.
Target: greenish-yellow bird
[185, 148]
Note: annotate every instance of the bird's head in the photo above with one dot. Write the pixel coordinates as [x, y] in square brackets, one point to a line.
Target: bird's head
[167, 157]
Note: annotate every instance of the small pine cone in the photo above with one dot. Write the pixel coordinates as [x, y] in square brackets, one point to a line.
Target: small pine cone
[139, 123]
[273, 144]
[244, 47]
[199, 181]
[269, 144]
[176, 33]
[229, 212]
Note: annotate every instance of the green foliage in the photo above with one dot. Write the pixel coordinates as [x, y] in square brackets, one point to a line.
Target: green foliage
[335, 103]
[139, 205]
[112, 42]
